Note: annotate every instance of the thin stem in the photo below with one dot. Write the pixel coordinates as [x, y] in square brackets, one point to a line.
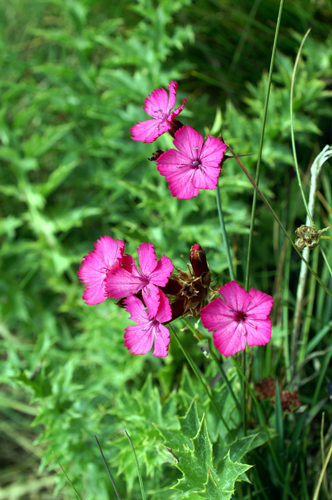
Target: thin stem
[219, 365]
[244, 395]
[108, 471]
[69, 481]
[225, 379]
[137, 465]
[224, 234]
[261, 414]
[292, 126]
[201, 381]
[260, 149]
[278, 221]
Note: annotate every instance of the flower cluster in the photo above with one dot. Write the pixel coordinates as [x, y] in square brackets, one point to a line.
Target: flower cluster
[106, 272]
[153, 298]
[196, 163]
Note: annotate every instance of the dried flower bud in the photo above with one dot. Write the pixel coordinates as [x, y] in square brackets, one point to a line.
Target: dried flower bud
[156, 155]
[175, 126]
[308, 237]
[191, 289]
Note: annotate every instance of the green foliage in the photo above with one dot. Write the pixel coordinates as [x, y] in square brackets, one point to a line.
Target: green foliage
[74, 75]
[192, 449]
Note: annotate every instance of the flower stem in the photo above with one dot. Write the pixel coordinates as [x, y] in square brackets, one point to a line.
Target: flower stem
[225, 379]
[261, 414]
[224, 234]
[280, 224]
[253, 208]
[309, 215]
[244, 395]
[219, 366]
[191, 363]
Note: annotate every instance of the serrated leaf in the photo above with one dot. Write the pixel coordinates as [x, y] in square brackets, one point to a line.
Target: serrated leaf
[179, 439]
[237, 449]
[196, 463]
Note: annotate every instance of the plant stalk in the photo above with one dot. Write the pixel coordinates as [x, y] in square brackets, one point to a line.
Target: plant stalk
[202, 382]
[224, 234]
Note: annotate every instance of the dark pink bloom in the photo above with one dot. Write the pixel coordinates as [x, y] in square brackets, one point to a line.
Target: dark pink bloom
[195, 166]
[128, 280]
[159, 106]
[139, 338]
[105, 258]
[240, 319]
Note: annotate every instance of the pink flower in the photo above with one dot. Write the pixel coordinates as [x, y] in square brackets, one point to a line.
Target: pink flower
[128, 280]
[159, 106]
[139, 338]
[105, 258]
[240, 319]
[195, 166]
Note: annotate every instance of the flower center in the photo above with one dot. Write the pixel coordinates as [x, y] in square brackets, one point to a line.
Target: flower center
[154, 325]
[240, 316]
[162, 115]
[197, 163]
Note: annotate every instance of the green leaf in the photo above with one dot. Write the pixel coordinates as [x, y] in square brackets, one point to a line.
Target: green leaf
[196, 462]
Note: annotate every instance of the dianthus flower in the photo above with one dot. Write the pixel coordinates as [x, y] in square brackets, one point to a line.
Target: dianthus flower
[105, 258]
[159, 106]
[127, 280]
[149, 329]
[195, 166]
[240, 319]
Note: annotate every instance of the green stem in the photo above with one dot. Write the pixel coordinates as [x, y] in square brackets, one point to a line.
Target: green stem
[137, 466]
[224, 234]
[201, 381]
[219, 366]
[278, 221]
[261, 414]
[225, 379]
[292, 126]
[244, 395]
[253, 208]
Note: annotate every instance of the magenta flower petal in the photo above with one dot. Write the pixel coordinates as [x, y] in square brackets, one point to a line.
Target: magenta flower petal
[258, 331]
[189, 142]
[159, 107]
[161, 273]
[230, 339]
[173, 86]
[149, 130]
[139, 338]
[195, 166]
[151, 296]
[123, 283]
[147, 258]
[156, 102]
[105, 258]
[180, 183]
[164, 312]
[161, 342]
[235, 296]
[240, 319]
[128, 263]
[128, 280]
[260, 305]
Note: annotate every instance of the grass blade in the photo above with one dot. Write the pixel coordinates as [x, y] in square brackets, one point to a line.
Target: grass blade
[138, 469]
[69, 481]
[279, 427]
[108, 471]
[253, 208]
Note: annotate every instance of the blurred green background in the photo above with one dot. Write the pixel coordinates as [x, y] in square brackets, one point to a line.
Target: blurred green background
[74, 76]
